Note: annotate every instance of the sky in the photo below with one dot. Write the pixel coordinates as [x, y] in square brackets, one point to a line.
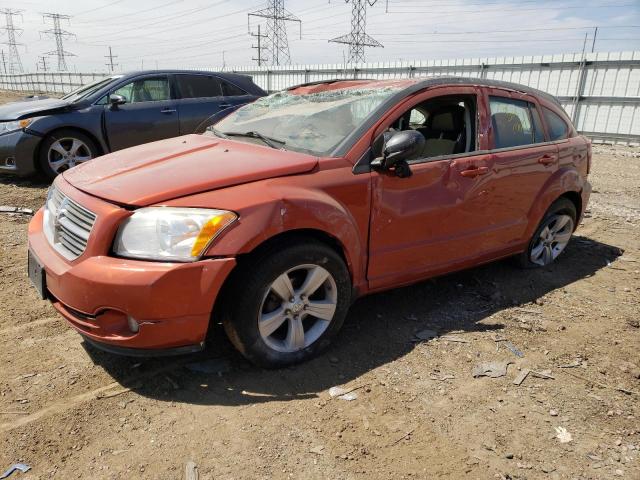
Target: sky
[213, 33]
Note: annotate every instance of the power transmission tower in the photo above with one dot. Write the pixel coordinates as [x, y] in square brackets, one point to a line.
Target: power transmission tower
[57, 33]
[15, 64]
[111, 56]
[358, 38]
[42, 64]
[277, 43]
[260, 59]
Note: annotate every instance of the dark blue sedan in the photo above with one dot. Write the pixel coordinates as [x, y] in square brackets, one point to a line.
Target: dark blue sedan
[52, 135]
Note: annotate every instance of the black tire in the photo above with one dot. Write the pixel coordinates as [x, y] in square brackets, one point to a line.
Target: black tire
[251, 285]
[562, 206]
[49, 140]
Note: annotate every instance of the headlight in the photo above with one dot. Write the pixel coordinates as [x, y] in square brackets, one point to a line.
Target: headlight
[6, 127]
[172, 234]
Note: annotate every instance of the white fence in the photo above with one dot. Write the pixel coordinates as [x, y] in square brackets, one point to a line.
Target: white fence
[600, 91]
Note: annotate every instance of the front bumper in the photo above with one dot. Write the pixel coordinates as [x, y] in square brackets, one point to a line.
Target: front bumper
[17, 152]
[100, 295]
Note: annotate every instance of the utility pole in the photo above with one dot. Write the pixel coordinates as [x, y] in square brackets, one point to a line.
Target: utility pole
[15, 64]
[111, 56]
[358, 38]
[260, 59]
[595, 34]
[277, 16]
[42, 64]
[4, 62]
[59, 34]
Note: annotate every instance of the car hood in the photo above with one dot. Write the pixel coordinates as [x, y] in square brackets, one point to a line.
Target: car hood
[160, 171]
[30, 108]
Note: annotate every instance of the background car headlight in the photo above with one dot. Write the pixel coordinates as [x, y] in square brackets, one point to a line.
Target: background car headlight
[6, 127]
[173, 234]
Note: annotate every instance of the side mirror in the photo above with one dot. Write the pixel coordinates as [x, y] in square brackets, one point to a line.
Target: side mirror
[398, 148]
[116, 100]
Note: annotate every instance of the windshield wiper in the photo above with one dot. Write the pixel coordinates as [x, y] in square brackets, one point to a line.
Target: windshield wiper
[252, 134]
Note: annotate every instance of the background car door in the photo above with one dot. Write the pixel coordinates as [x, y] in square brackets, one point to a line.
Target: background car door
[202, 96]
[423, 223]
[149, 114]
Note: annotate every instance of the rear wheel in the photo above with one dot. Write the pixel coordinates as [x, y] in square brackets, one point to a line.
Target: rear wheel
[289, 304]
[65, 149]
[552, 235]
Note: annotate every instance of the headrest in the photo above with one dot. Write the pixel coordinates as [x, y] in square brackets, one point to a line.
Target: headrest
[507, 122]
[447, 119]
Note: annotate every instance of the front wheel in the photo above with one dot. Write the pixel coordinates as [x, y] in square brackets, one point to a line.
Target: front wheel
[288, 304]
[552, 235]
[63, 150]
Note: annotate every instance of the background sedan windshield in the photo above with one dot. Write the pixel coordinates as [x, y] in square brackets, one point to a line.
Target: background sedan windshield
[314, 123]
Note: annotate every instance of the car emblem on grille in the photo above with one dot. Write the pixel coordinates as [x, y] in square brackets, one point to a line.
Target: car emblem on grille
[60, 213]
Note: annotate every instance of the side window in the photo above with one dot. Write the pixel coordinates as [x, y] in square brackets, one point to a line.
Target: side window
[145, 90]
[198, 86]
[558, 129]
[447, 123]
[511, 121]
[230, 90]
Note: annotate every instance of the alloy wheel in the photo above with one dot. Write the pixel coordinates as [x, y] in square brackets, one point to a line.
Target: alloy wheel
[297, 308]
[66, 153]
[552, 240]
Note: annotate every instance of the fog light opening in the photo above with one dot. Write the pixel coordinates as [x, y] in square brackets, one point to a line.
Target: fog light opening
[134, 326]
[10, 162]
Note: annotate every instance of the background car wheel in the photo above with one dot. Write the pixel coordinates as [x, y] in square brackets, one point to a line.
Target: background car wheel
[552, 235]
[288, 304]
[65, 149]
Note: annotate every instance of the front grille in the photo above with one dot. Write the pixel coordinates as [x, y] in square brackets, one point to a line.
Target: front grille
[67, 224]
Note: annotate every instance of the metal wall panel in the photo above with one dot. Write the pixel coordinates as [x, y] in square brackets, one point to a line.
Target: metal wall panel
[600, 91]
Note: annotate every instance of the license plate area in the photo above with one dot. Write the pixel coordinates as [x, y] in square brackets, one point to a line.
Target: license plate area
[37, 275]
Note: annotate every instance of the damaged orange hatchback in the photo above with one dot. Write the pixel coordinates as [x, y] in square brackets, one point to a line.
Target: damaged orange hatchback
[285, 211]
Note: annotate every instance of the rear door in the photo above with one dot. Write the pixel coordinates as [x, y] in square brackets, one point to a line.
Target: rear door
[202, 96]
[149, 113]
[522, 162]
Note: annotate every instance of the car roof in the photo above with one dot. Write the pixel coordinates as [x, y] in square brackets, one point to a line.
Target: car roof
[411, 85]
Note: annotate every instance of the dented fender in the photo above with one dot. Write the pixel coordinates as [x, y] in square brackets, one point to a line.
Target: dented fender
[268, 208]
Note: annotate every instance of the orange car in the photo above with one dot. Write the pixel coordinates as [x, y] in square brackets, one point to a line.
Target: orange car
[276, 219]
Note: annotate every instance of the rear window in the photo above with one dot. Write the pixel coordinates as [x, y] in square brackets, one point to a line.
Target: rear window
[199, 86]
[512, 123]
[229, 89]
[558, 128]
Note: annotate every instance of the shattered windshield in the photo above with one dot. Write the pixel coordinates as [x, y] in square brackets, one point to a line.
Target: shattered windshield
[313, 123]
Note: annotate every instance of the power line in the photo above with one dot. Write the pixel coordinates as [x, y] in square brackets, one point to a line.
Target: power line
[276, 16]
[15, 64]
[358, 38]
[110, 64]
[58, 34]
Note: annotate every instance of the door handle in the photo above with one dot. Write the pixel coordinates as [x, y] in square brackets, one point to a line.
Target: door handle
[168, 110]
[547, 159]
[225, 105]
[474, 172]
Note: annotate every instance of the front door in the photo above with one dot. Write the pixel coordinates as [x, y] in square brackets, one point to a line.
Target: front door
[423, 224]
[149, 113]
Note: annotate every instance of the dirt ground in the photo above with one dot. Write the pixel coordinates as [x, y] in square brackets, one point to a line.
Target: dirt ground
[70, 411]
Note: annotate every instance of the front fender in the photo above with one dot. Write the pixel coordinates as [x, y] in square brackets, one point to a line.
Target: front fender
[561, 182]
[87, 121]
[267, 209]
